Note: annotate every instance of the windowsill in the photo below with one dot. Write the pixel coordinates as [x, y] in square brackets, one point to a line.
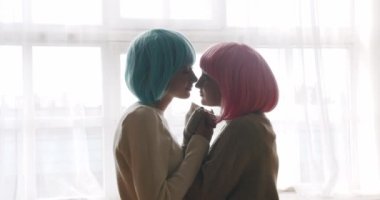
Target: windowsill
[295, 196]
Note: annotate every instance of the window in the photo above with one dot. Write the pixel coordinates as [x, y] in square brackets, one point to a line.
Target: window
[10, 110]
[290, 13]
[68, 12]
[68, 113]
[62, 88]
[166, 9]
[10, 11]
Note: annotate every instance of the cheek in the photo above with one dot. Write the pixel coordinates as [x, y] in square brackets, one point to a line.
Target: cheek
[177, 84]
[212, 96]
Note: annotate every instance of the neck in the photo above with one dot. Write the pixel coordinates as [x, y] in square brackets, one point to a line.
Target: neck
[163, 103]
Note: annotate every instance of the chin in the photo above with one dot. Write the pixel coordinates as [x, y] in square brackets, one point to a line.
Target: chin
[205, 103]
[183, 96]
[208, 103]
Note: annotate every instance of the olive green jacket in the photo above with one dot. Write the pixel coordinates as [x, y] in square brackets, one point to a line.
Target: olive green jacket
[242, 163]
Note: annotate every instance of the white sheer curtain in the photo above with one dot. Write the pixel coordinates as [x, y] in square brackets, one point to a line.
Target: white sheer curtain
[61, 89]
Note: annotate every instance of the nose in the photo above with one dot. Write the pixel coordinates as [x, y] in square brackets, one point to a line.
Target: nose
[198, 83]
[193, 77]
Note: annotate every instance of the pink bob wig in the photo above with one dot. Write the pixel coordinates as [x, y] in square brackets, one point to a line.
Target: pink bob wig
[245, 80]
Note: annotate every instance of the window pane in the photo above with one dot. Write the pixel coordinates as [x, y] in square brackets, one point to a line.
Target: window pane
[308, 81]
[67, 76]
[287, 136]
[321, 84]
[10, 70]
[326, 13]
[10, 80]
[10, 114]
[72, 12]
[288, 13]
[195, 9]
[142, 9]
[260, 13]
[69, 163]
[334, 13]
[160, 9]
[307, 73]
[10, 11]
[8, 161]
[127, 98]
[68, 105]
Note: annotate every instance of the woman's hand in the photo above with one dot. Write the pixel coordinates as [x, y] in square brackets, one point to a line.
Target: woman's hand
[206, 125]
[193, 119]
[198, 121]
[193, 108]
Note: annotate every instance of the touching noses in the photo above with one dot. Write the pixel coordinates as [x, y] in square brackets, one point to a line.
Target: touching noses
[198, 84]
[193, 77]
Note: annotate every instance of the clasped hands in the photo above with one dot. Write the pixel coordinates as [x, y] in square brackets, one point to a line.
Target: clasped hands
[199, 121]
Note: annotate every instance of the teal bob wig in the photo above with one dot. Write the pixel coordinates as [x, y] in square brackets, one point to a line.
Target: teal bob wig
[152, 60]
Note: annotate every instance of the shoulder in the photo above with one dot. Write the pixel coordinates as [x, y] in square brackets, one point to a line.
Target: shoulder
[251, 125]
[141, 114]
[247, 122]
[142, 123]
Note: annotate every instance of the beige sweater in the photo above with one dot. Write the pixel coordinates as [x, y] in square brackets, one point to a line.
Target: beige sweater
[150, 165]
[242, 163]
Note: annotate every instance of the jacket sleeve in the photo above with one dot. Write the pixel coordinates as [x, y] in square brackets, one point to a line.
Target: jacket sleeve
[148, 149]
[225, 164]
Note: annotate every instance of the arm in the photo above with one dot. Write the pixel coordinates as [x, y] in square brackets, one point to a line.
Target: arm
[148, 150]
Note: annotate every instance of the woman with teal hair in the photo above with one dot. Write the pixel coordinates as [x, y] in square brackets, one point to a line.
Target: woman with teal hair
[149, 163]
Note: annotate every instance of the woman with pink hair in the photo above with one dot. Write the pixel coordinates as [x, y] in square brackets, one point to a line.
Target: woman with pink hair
[242, 163]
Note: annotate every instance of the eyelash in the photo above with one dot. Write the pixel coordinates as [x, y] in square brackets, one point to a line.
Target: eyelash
[205, 78]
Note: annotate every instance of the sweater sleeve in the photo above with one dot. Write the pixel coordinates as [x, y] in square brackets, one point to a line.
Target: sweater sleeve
[148, 149]
[224, 166]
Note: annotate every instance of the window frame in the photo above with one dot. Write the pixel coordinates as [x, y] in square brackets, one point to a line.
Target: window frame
[113, 37]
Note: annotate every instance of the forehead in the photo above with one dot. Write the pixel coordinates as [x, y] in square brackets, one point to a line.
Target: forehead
[186, 67]
[205, 79]
[204, 75]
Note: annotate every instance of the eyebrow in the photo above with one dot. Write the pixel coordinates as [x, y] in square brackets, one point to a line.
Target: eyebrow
[187, 68]
[205, 75]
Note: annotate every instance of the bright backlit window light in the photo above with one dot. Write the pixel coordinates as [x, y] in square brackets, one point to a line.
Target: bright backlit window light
[195, 9]
[290, 13]
[174, 9]
[11, 70]
[68, 72]
[245, 13]
[71, 12]
[142, 9]
[10, 11]
[127, 98]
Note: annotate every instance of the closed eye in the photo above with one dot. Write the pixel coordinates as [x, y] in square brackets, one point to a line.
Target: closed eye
[187, 70]
[204, 77]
